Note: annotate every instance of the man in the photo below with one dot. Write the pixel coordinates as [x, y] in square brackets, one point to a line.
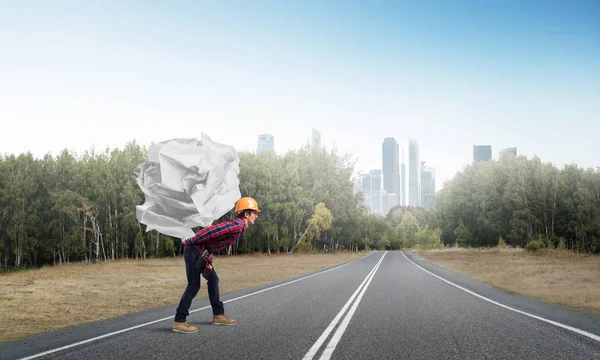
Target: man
[214, 239]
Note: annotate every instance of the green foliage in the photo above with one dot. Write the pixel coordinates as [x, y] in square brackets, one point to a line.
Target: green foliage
[501, 243]
[69, 208]
[463, 236]
[83, 208]
[521, 200]
[535, 245]
[428, 239]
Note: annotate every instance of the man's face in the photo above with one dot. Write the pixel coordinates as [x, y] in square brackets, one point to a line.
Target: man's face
[251, 217]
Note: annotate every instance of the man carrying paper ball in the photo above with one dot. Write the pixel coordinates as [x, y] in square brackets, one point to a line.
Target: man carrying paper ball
[213, 239]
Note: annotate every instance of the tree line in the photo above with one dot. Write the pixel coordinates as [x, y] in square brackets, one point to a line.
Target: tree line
[82, 208]
[521, 202]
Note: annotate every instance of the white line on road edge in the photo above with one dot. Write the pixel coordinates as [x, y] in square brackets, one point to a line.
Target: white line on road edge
[51, 351]
[567, 327]
[335, 339]
[317, 345]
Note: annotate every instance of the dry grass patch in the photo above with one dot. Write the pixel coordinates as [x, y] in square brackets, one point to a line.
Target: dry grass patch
[555, 276]
[34, 301]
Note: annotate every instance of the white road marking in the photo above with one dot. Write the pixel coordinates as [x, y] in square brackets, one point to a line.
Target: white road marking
[317, 345]
[567, 327]
[335, 339]
[51, 351]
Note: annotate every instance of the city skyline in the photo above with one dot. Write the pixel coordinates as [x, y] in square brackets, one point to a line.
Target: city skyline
[449, 75]
[381, 187]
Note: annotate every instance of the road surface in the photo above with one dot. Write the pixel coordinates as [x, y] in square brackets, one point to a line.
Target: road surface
[386, 305]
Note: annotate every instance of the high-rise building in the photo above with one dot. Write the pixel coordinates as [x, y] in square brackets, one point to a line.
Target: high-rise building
[366, 190]
[427, 186]
[391, 167]
[414, 173]
[403, 181]
[315, 138]
[266, 142]
[376, 191]
[511, 151]
[482, 153]
[388, 201]
[372, 185]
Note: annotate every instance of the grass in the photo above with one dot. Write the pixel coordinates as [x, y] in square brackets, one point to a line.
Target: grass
[34, 301]
[556, 276]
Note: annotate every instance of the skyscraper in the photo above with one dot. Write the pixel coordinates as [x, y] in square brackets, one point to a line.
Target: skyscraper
[403, 181]
[482, 153]
[366, 190]
[511, 151]
[414, 173]
[427, 186]
[315, 138]
[390, 165]
[266, 142]
[376, 188]
[372, 191]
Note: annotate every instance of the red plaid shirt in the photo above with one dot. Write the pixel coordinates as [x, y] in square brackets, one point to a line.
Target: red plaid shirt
[217, 237]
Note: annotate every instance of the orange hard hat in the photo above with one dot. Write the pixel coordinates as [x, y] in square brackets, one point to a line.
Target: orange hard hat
[246, 203]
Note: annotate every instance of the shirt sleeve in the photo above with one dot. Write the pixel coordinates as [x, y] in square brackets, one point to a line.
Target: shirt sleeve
[210, 233]
[233, 234]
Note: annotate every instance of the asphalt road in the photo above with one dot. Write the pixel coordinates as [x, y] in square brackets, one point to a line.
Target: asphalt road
[387, 305]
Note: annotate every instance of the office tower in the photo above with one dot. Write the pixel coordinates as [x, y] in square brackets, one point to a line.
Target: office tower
[403, 181]
[482, 153]
[366, 190]
[390, 165]
[376, 191]
[315, 138]
[427, 186]
[372, 185]
[266, 142]
[511, 151]
[414, 173]
[388, 201]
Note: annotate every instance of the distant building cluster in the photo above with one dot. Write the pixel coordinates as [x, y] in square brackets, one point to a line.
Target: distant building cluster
[383, 189]
[484, 153]
[266, 142]
[395, 184]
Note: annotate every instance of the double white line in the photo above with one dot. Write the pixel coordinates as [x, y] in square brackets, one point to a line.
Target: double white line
[335, 339]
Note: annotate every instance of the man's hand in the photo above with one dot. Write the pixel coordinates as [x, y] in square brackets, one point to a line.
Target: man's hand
[183, 241]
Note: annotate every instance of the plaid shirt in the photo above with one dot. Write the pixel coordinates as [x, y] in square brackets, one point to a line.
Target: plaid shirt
[217, 237]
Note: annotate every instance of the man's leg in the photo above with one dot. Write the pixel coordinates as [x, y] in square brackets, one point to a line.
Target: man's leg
[193, 277]
[217, 306]
[213, 293]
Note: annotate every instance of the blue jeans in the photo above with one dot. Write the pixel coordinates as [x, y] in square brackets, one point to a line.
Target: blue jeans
[190, 256]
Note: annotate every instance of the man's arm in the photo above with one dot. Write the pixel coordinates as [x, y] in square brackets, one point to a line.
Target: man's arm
[213, 232]
[208, 233]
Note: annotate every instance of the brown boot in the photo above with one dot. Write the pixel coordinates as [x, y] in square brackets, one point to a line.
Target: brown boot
[223, 320]
[184, 327]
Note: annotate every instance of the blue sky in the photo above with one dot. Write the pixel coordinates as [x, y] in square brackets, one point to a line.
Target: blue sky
[451, 74]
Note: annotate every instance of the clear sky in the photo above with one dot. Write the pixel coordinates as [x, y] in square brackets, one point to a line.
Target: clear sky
[451, 74]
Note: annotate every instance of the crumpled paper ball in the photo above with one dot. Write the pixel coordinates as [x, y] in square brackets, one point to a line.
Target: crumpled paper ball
[187, 183]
